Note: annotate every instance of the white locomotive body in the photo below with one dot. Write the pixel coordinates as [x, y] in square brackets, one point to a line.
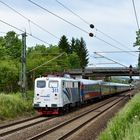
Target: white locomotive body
[55, 93]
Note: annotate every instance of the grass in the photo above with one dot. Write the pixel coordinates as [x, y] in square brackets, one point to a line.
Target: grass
[13, 106]
[126, 124]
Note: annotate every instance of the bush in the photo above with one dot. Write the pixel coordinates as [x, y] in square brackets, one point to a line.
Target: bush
[123, 126]
[13, 105]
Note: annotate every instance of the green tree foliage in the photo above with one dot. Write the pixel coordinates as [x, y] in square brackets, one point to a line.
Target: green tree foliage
[64, 45]
[13, 45]
[38, 55]
[137, 43]
[3, 53]
[76, 47]
[73, 41]
[81, 51]
[74, 61]
[8, 75]
[10, 49]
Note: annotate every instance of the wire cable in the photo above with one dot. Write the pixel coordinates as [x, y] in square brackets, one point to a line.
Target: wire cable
[113, 39]
[117, 51]
[24, 31]
[58, 16]
[90, 24]
[46, 62]
[112, 45]
[137, 22]
[110, 59]
[72, 11]
[74, 25]
[29, 20]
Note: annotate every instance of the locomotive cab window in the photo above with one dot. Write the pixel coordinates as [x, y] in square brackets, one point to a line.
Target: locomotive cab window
[41, 84]
[53, 84]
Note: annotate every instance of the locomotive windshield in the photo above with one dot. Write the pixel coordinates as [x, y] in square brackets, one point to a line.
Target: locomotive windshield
[41, 84]
[53, 84]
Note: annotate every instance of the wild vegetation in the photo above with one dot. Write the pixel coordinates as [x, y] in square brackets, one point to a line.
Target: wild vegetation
[126, 124]
[13, 106]
[137, 44]
[75, 56]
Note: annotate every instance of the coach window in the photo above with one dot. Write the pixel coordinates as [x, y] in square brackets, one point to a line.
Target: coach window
[41, 84]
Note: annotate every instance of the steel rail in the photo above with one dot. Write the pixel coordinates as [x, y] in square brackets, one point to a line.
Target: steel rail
[53, 129]
[4, 132]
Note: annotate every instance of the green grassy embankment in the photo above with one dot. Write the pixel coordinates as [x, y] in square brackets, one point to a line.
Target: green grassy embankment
[126, 124]
[13, 106]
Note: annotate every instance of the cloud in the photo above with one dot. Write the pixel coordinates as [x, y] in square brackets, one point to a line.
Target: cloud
[115, 18]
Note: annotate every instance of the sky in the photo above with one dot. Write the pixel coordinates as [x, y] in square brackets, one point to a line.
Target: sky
[113, 18]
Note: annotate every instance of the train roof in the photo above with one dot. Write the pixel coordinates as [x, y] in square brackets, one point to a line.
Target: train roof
[83, 81]
[87, 81]
[56, 78]
[114, 84]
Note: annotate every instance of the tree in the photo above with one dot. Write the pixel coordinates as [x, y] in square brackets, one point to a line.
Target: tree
[3, 53]
[74, 61]
[137, 43]
[10, 51]
[13, 45]
[72, 44]
[64, 45]
[81, 51]
[9, 73]
[38, 55]
[139, 61]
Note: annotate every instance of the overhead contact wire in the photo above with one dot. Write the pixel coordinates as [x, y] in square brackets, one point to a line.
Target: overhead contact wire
[71, 11]
[29, 20]
[57, 16]
[95, 28]
[136, 14]
[23, 31]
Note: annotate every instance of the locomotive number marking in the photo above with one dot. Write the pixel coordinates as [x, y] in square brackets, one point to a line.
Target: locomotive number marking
[54, 90]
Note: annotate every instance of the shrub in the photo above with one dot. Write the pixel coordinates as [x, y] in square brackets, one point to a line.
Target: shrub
[123, 125]
[13, 105]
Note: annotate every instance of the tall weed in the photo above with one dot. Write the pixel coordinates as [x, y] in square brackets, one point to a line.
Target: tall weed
[119, 127]
[13, 105]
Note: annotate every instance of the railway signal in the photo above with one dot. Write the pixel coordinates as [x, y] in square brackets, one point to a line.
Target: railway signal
[130, 73]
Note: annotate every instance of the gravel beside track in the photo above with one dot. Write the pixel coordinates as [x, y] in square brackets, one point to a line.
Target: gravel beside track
[92, 130]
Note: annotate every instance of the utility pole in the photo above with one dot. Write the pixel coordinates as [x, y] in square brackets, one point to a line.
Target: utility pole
[23, 84]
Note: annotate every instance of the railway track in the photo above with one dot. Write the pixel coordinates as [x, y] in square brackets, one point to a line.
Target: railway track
[13, 129]
[17, 122]
[19, 125]
[67, 128]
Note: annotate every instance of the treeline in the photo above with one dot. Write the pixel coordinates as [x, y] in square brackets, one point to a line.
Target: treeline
[75, 56]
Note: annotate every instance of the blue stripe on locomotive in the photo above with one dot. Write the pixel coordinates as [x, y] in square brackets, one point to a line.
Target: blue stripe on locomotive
[67, 93]
[72, 94]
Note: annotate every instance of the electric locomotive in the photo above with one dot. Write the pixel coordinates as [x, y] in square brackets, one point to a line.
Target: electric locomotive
[56, 94]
